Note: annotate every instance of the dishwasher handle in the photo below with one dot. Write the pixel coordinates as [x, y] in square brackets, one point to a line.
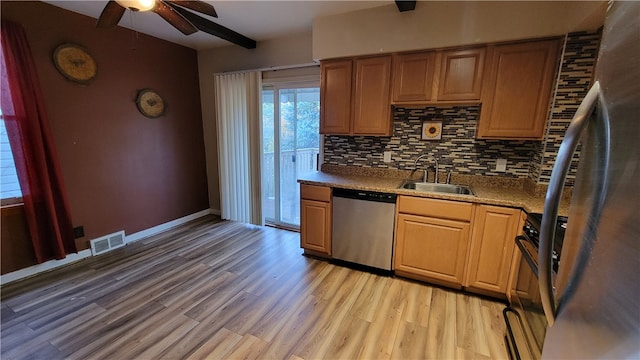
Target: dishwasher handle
[365, 195]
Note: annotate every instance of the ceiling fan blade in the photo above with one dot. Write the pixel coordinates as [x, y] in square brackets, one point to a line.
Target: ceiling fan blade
[199, 6]
[216, 29]
[174, 18]
[111, 15]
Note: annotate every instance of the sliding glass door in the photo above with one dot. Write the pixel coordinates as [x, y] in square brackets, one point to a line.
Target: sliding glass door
[291, 145]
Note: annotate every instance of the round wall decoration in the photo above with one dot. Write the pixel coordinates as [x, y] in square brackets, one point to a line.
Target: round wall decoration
[150, 103]
[75, 63]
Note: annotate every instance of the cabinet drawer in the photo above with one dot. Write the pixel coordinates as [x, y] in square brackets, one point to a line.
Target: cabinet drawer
[313, 192]
[443, 209]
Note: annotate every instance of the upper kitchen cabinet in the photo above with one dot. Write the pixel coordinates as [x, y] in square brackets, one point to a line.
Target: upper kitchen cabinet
[413, 77]
[458, 76]
[335, 97]
[515, 100]
[461, 75]
[371, 110]
[365, 84]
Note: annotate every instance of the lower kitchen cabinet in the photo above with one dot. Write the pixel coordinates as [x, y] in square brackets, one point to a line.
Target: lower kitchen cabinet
[492, 249]
[432, 247]
[315, 220]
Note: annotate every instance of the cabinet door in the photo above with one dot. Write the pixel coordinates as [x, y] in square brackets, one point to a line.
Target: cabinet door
[492, 247]
[413, 77]
[335, 97]
[315, 226]
[431, 249]
[372, 110]
[461, 75]
[515, 100]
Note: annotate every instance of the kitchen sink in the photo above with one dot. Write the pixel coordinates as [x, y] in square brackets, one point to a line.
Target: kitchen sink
[440, 188]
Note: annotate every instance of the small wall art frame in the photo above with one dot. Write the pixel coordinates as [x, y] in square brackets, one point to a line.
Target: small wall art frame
[431, 130]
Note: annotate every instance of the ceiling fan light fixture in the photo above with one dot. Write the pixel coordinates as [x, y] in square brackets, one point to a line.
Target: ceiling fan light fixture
[138, 5]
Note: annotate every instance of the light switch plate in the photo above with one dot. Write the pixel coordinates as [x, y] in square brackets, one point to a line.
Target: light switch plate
[387, 156]
[501, 165]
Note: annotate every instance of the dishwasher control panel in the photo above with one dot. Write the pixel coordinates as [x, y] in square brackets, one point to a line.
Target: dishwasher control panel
[365, 195]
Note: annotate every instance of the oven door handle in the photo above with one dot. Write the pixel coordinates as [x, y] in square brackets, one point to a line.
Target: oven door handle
[520, 239]
[554, 196]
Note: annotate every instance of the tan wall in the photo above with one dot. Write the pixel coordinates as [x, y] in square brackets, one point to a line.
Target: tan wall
[122, 171]
[287, 51]
[436, 24]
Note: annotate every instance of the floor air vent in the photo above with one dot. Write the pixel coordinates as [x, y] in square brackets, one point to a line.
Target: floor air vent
[107, 243]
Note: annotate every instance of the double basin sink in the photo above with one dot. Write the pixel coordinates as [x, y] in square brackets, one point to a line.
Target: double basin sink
[438, 188]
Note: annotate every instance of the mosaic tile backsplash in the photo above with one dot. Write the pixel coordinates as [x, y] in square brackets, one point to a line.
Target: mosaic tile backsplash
[459, 150]
[574, 81]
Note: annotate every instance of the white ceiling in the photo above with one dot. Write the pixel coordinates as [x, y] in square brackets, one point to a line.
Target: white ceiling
[259, 20]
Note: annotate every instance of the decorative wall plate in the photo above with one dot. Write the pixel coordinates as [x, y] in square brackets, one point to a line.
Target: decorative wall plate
[74, 62]
[150, 103]
[431, 130]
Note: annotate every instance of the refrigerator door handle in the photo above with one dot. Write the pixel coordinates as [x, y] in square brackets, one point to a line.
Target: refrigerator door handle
[553, 197]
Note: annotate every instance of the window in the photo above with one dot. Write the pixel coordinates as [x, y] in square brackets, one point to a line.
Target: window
[9, 186]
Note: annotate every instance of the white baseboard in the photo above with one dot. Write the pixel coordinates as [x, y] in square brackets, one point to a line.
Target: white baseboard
[45, 266]
[83, 254]
[166, 226]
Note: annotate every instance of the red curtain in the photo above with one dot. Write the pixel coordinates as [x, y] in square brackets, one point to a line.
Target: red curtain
[43, 193]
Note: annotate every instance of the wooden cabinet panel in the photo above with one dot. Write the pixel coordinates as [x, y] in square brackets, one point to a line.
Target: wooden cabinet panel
[335, 97]
[315, 226]
[372, 113]
[413, 76]
[431, 249]
[461, 74]
[515, 262]
[515, 100]
[443, 209]
[492, 247]
[314, 192]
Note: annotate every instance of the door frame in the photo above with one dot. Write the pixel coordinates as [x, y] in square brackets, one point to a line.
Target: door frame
[276, 85]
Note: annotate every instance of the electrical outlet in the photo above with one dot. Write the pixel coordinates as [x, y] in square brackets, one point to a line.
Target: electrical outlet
[501, 165]
[387, 157]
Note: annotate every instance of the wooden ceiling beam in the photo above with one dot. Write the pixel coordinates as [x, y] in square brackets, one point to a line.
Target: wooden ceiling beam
[404, 5]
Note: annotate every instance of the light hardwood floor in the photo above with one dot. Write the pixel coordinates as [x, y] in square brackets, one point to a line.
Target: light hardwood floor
[213, 289]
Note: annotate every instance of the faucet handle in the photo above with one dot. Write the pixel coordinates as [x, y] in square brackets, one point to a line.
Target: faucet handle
[449, 177]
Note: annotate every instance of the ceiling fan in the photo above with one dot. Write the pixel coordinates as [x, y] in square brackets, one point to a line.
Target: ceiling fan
[176, 13]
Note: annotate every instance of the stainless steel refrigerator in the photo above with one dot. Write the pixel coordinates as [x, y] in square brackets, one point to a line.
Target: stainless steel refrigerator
[594, 309]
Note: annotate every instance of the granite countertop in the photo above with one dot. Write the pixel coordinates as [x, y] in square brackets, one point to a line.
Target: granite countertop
[487, 192]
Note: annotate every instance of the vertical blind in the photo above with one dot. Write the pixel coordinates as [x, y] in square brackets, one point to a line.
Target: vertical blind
[238, 106]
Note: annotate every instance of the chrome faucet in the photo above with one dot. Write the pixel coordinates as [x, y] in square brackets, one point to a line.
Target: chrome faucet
[437, 168]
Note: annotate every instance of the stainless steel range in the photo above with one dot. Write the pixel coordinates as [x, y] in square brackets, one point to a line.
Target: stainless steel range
[526, 321]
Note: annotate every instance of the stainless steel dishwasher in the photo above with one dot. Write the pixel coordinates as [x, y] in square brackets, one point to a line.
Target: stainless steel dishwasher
[363, 227]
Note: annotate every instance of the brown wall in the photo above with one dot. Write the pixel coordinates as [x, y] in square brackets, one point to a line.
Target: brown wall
[122, 171]
[17, 251]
